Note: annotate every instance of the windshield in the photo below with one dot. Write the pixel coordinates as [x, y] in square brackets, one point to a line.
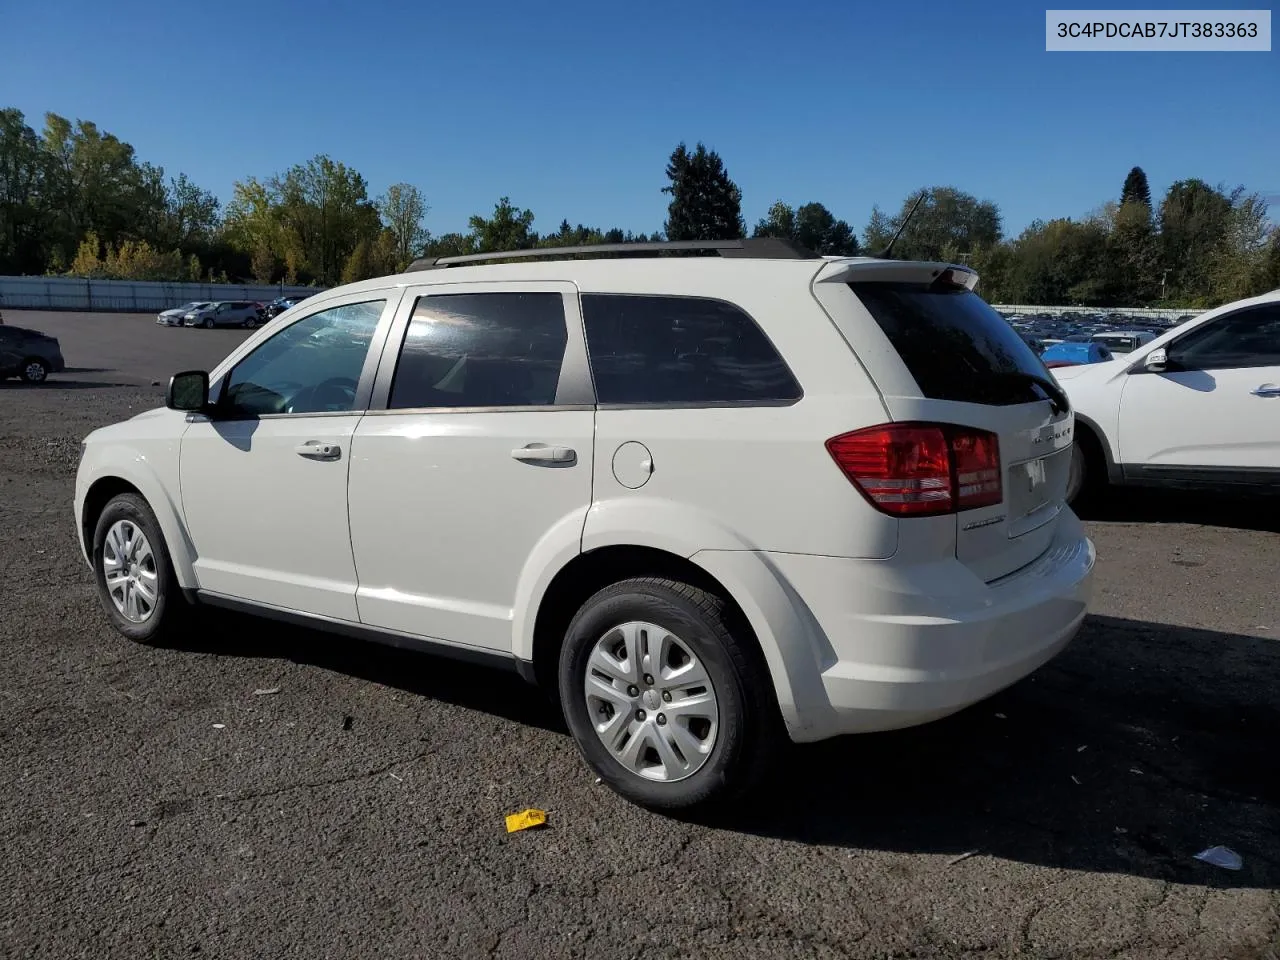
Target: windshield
[953, 343]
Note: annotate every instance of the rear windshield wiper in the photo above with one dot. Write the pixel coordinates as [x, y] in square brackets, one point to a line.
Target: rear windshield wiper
[1057, 398]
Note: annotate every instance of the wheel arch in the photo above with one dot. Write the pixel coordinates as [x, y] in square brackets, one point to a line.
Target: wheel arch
[788, 662]
[110, 485]
[1088, 432]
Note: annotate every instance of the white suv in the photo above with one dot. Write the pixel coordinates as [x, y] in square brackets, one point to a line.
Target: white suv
[1198, 406]
[711, 501]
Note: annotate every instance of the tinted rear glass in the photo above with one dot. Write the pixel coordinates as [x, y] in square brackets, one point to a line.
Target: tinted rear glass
[681, 350]
[953, 343]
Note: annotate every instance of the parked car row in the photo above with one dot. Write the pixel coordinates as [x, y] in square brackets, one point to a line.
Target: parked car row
[226, 313]
[216, 313]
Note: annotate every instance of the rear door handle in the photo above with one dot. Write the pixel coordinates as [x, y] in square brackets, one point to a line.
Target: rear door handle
[319, 450]
[1266, 390]
[541, 453]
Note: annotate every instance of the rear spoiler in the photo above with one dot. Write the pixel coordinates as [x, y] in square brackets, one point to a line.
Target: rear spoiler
[908, 271]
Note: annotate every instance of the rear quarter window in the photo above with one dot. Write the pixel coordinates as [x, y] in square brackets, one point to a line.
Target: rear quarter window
[952, 342]
[681, 350]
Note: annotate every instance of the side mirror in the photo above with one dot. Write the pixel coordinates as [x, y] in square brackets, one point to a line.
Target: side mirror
[188, 391]
[1157, 361]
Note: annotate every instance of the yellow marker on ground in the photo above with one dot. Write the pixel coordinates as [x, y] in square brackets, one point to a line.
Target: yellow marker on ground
[525, 819]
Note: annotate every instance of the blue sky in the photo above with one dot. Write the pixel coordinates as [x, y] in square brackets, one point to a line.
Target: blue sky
[571, 108]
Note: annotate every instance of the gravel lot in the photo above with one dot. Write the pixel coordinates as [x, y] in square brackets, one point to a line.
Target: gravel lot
[154, 805]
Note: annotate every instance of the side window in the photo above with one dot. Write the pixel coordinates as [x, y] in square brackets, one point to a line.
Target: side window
[680, 350]
[312, 366]
[1248, 338]
[481, 350]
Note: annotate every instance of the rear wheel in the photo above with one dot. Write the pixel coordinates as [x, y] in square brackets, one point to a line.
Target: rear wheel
[251, 322]
[135, 578]
[668, 705]
[35, 370]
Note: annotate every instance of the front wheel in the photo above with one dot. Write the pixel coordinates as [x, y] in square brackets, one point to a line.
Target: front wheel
[35, 370]
[134, 575]
[208, 323]
[668, 704]
[1087, 475]
[250, 323]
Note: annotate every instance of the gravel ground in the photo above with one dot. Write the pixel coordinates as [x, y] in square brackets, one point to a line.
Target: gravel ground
[154, 803]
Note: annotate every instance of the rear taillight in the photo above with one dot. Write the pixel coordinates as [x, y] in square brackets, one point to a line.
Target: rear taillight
[921, 469]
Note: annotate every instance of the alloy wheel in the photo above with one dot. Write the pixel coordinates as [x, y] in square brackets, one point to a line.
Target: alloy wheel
[129, 568]
[651, 701]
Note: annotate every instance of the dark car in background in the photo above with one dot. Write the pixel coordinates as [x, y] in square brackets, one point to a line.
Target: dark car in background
[281, 304]
[29, 354]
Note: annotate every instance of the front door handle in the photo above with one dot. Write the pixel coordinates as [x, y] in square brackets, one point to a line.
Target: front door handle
[1266, 390]
[319, 450]
[541, 453]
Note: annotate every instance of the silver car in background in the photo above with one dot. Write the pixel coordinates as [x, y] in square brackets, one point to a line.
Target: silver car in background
[225, 313]
[173, 318]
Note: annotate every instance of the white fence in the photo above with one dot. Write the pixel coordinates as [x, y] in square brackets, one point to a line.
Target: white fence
[73, 293]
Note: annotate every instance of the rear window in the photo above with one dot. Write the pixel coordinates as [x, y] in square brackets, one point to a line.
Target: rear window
[953, 343]
[681, 350]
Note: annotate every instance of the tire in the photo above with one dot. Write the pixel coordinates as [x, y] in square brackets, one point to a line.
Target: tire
[169, 611]
[250, 323]
[208, 323]
[723, 757]
[34, 370]
[1088, 471]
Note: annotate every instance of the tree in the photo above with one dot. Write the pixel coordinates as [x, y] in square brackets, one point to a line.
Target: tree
[705, 203]
[1240, 265]
[325, 211]
[948, 225]
[451, 245]
[403, 208]
[878, 231]
[88, 261]
[1134, 260]
[1059, 262]
[812, 226]
[1194, 219]
[192, 213]
[312, 217]
[22, 214]
[358, 265]
[1136, 189]
[264, 263]
[507, 229]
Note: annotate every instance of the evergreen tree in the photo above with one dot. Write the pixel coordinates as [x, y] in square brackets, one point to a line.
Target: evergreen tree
[705, 203]
[1136, 189]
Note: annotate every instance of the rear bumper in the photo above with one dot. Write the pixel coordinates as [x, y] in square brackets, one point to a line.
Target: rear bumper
[891, 646]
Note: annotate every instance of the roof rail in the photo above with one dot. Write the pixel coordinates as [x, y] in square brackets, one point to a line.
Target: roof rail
[759, 248]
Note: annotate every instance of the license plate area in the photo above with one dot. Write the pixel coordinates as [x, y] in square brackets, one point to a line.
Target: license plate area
[1034, 491]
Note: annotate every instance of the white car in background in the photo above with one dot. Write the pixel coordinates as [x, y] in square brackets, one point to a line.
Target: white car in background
[1198, 406]
[173, 318]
